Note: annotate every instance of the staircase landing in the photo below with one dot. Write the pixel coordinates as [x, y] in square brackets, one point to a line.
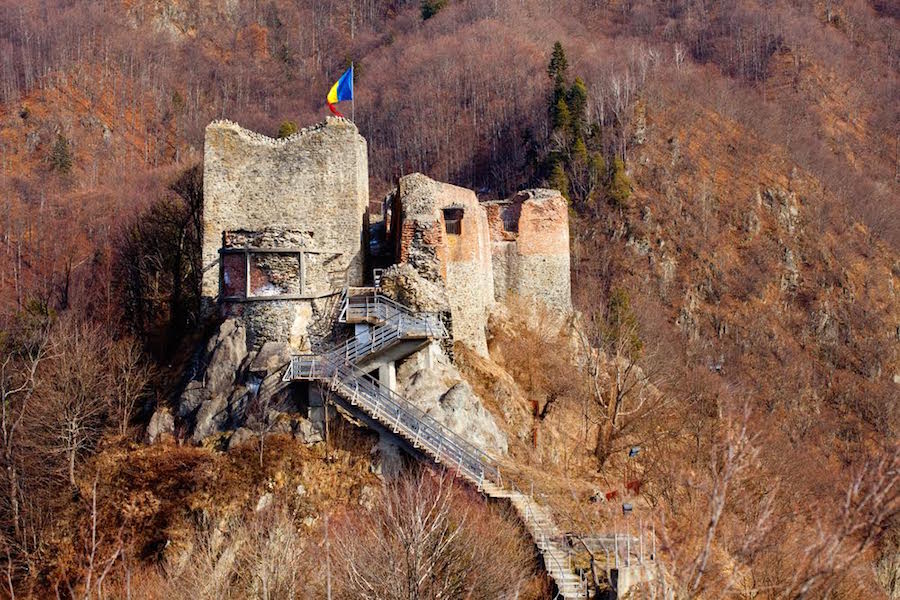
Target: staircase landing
[396, 332]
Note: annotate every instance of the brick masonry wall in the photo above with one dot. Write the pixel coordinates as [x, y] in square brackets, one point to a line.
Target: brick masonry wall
[314, 182]
[462, 262]
[534, 260]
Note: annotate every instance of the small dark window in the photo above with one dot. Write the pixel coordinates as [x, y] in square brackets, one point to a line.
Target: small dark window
[453, 221]
[511, 222]
[234, 275]
[510, 215]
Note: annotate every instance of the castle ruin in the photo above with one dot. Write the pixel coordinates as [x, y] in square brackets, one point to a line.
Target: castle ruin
[284, 225]
[319, 309]
[285, 228]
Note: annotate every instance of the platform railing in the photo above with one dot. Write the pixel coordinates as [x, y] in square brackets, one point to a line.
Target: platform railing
[400, 415]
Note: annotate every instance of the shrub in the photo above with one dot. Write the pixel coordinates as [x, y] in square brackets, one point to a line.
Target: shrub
[425, 538]
[559, 180]
[287, 129]
[432, 7]
[619, 184]
[61, 155]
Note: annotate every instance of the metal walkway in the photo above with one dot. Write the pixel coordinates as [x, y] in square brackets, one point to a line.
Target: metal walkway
[393, 326]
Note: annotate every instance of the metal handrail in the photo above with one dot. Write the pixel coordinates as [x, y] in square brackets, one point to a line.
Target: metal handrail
[394, 410]
[398, 327]
[377, 305]
[623, 546]
[388, 407]
[337, 366]
[542, 541]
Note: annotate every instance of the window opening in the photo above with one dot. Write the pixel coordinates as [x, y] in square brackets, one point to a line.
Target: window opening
[453, 221]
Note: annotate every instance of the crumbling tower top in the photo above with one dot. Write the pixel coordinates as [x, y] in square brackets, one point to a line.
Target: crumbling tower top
[283, 223]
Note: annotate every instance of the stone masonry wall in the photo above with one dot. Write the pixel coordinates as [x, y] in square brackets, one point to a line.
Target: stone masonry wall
[308, 191]
[462, 262]
[530, 247]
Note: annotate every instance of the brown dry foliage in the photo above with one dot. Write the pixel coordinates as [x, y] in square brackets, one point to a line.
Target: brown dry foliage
[739, 97]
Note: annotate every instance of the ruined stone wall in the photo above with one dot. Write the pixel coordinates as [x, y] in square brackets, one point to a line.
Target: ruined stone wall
[308, 192]
[461, 262]
[530, 247]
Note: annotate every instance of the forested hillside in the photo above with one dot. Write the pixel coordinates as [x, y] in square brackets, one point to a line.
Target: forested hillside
[733, 172]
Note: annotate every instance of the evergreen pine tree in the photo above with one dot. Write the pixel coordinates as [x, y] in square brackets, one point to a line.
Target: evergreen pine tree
[558, 64]
[621, 323]
[597, 177]
[61, 155]
[431, 8]
[559, 180]
[619, 184]
[576, 99]
[579, 151]
[556, 70]
[559, 115]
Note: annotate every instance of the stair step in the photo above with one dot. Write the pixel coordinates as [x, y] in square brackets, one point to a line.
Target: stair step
[538, 521]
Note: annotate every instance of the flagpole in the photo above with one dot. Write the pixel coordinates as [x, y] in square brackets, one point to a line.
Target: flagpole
[353, 97]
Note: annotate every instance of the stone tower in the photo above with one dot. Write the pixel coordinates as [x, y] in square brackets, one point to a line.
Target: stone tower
[283, 224]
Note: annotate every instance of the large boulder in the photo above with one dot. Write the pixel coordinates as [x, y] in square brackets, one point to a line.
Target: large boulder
[226, 352]
[406, 285]
[161, 426]
[431, 381]
[208, 400]
[273, 357]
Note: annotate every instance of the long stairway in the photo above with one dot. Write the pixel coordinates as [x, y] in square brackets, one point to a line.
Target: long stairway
[547, 537]
[395, 332]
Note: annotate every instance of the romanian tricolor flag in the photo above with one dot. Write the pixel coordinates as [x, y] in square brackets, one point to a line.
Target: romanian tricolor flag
[341, 90]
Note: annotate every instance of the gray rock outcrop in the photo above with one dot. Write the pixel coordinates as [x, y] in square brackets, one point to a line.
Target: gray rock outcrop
[240, 392]
[407, 286]
[161, 426]
[433, 383]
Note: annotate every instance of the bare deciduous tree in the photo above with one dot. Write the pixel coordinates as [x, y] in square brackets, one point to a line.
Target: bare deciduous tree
[18, 380]
[688, 565]
[426, 539]
[76, 387]
[130, 377]
[871, 502]
[262, 556]
[623, 380]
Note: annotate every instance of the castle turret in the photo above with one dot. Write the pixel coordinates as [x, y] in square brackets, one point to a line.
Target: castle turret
[530, 247]
[283, 224]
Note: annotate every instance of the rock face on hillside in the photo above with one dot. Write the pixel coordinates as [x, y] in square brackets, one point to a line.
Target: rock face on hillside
[239, 393]
[430, 380]
[407, 286]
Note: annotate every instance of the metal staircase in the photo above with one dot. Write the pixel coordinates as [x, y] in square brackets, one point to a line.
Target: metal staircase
[547, 537]
[395, 330]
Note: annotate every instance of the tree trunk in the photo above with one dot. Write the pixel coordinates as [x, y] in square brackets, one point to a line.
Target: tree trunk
[606, 432]
[604, 441]
[13, 480]
[71, 453]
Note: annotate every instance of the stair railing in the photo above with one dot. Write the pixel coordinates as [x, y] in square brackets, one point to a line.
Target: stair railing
[541, 538]
[396, 412]
[375, 305]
